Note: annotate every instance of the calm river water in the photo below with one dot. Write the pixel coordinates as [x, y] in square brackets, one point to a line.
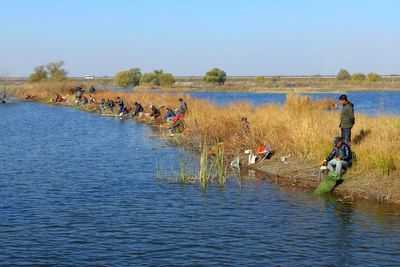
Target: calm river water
[77, 189]
[371, 103]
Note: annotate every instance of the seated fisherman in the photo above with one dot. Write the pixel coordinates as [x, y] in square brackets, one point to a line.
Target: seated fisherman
[111, 104]
[340, 158]
[182, 107]
[84, 100]
[138, 109]
[56, 99]
[169, 115]
[78, 93]
[62, 99]
[102, 105]
[121, 105]
[155, 112]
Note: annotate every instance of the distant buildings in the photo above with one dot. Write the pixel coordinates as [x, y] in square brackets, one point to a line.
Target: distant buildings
[88, 77]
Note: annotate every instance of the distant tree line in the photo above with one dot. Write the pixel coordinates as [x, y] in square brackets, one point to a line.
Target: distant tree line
[134, 77]
[53, 71]
[344, 75]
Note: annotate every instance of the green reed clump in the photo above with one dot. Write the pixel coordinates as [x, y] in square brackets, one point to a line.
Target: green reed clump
[204, 167]
[219, 164]
[184, 178]
[212, 168]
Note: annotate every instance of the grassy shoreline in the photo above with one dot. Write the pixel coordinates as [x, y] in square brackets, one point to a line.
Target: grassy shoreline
[309, 84]
[288, 85]
[300, 128]
[178, 90]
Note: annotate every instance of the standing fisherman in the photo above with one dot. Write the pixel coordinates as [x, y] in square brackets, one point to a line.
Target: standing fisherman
[347, 119]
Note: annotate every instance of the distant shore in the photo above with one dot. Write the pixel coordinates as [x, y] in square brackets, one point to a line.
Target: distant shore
[311, 84]
[299, 90]
[288, 85]
[281, 85]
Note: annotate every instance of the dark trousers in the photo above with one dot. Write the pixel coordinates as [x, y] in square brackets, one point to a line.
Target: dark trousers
[346, 135]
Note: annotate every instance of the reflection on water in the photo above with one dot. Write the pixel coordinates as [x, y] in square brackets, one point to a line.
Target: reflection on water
[80, 190]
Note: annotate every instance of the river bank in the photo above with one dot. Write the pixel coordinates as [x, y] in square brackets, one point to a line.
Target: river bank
[283, 85]
[277, 84]
[301, 129]
[263, 90]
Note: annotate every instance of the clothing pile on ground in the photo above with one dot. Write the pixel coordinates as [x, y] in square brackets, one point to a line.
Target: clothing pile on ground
[59, 99]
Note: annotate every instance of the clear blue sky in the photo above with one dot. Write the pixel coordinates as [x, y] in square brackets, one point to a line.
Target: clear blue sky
[187, 37]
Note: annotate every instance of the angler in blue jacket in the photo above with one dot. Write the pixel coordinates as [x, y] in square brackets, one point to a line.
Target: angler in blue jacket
[340, 158]
[121, 105]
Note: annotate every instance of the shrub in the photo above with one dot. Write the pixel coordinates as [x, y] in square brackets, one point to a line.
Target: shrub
[39, 74]
[127, 78]
[215, 75]
[260, 79]
[343, 75]
[358, 77]
[56, 71]
[374, 77]
[158, 78]
[276, 79]
[167, 80]
[150, 78]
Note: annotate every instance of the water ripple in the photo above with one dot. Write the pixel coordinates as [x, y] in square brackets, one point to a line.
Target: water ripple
[79, 190]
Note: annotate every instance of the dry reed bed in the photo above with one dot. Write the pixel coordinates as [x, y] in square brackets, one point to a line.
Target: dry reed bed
[301, 128]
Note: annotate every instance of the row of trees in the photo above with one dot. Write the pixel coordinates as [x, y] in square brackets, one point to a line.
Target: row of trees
[52, 71]
[55, 71]
[344, 75]
[134, 77]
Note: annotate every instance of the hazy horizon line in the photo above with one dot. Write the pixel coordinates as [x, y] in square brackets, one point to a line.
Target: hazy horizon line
[23, 77]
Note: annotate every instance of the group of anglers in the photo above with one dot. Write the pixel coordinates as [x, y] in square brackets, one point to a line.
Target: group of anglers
[341, 156]
[136, 111]
[337, 162]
